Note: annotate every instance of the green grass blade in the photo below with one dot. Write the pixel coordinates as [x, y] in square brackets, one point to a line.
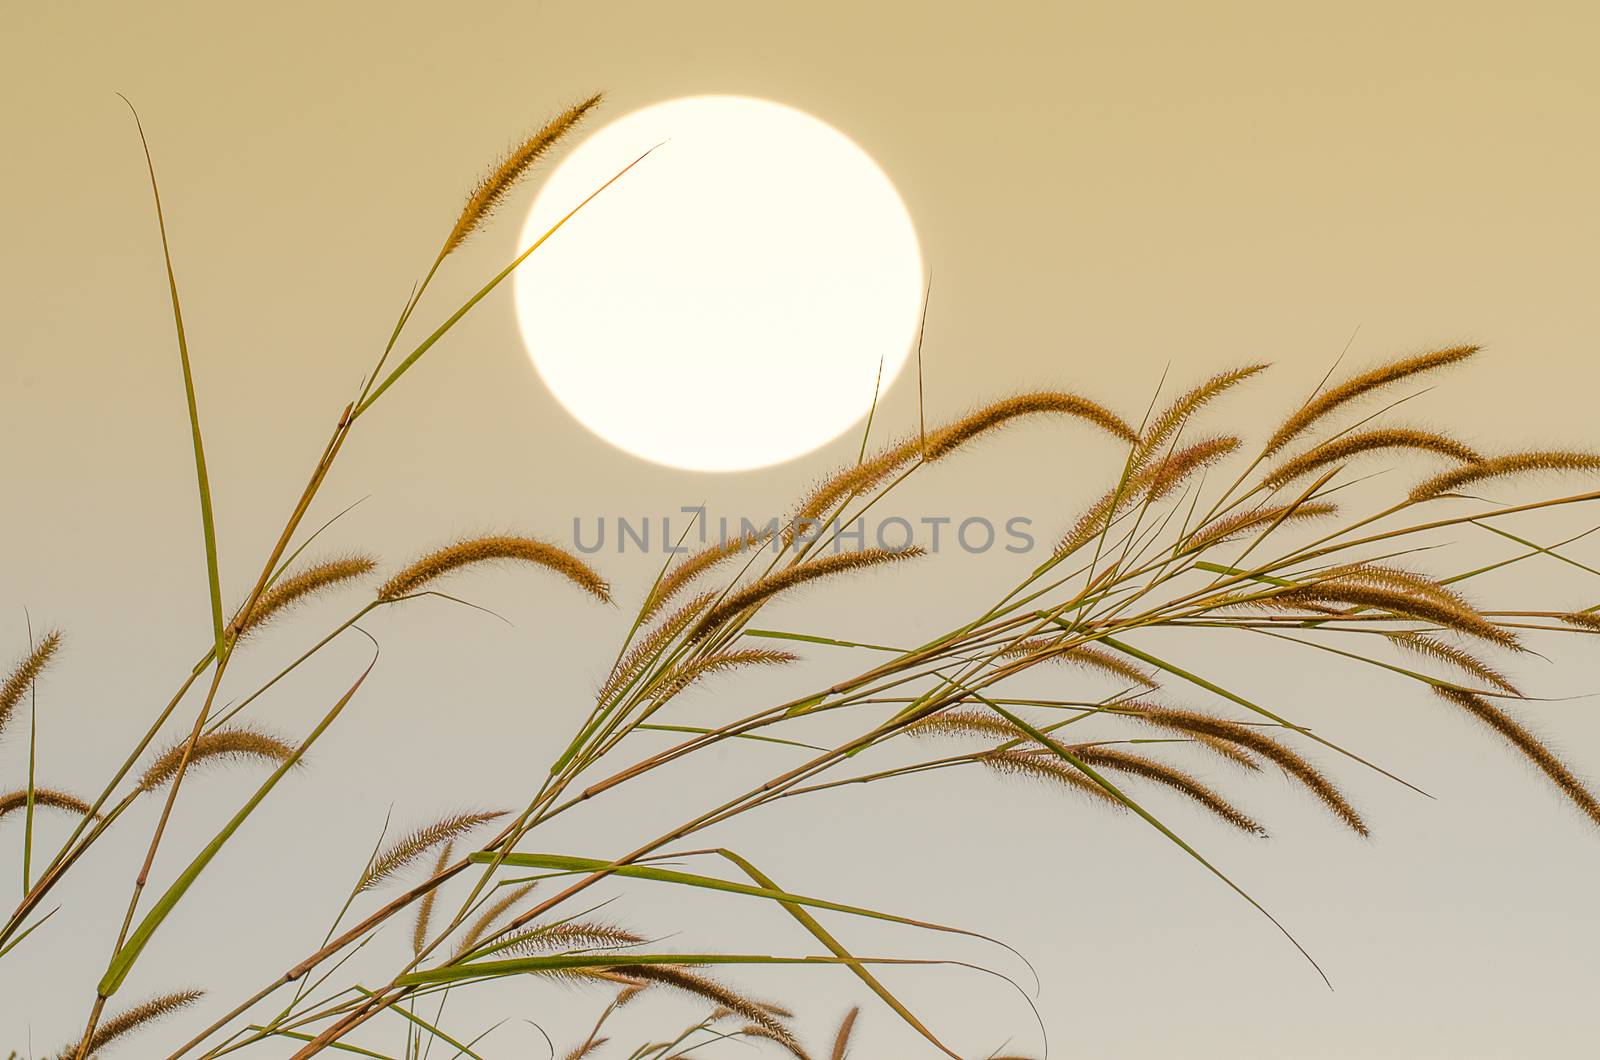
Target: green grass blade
[833, 946]
[207, 522]
[332, 1045]
[8, 947]
[702, 731]
[565, 863]
[123, 960]
[430, 1028]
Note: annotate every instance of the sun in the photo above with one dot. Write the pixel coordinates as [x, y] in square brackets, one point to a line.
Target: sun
[728, 303]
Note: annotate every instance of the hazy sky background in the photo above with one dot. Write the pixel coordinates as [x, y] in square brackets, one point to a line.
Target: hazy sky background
[1103, 190]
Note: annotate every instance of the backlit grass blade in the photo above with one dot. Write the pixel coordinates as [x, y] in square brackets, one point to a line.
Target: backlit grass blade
[123, 960]
[565, 863]
[341, 1046]
[461, 1050]
[821, 934]
[207, 523]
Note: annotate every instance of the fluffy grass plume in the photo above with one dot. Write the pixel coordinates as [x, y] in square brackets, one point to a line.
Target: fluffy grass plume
[763, 589]
[1446, 612]
[709, 989]
[491, 914]
[1229, 527]
[419, 932]
[25, 674]
[13, 801]
[1252, 739]
[492, 190]
[300, 586]
[1359, 386]
[1431, 647]
[1531, 747]
[982, 723]
[571, 936]
[650, 646]
[1152, 479]
[841, 1040]
[236, 744]
[694, 565]
[1175, 469]
[1046, 402]
[1171, 419]
[1086, 656]
[1508, 466]
[399, 855]
[497, 549]
[1100, 756]
[688, 673]
[945, 441]
[1588, 620]
[1378, 440]
[129, 1020]
[1050, 770]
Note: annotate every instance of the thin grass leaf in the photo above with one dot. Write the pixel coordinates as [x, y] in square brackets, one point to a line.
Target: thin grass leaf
[207, 520]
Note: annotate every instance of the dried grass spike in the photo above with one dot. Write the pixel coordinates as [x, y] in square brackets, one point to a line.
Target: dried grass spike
[1252, 739]
[573, 936]
[841, 1041]
[471, 552]
[498, 182]
[491, 913]
[400, 854]
[238, 744]
[1049, 769]
[1353, 445]
[851, 480]
[763, 589]
[1582, 620]
[1175, 415]
[1530, 745]
[958, 722]
[1450, 614]
[1100, 756]
[419, 934]
[130, 1020]
[1504, 467]
[12, 801]
[1232, 526]
[696, 564]
[1086, 656]
[25, 674]
[687, 674]
[1431, 647]
[651, 645]
[1385, 375]
[1168, 474]
[581, 1051]
[711, 990]
[991, 417]
[296, 588]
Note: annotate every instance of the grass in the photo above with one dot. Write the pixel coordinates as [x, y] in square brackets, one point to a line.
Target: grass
[1199, 532]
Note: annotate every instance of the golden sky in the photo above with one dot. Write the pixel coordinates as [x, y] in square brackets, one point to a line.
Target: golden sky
[1103, 190]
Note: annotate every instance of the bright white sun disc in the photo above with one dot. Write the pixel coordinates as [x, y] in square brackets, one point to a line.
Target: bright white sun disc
[727, 303]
